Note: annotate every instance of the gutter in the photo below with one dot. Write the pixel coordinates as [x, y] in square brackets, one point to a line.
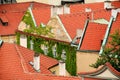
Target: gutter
[106, 34]
[83, 34]
[113, 18]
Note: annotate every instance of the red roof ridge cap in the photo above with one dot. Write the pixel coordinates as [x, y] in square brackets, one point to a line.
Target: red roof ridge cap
[23, 64]
[59, 76]
[112, 69]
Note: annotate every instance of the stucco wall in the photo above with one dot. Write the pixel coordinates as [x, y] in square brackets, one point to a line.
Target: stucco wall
[58, 30]
[93, 1]
[84, 60]
[9, 39]
[52, 2]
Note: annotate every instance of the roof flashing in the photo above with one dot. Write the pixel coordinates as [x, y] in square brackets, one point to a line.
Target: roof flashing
[100, 21]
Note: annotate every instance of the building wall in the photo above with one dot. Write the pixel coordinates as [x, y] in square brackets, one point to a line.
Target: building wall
[51, 2]
[23, 40]
[58, 30]
[9, 39]
[93, 1]
[84, 60]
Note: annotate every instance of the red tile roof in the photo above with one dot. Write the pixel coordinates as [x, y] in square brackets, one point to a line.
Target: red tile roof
[13, 14]
[93, 36]
[108, 65]
[72, 22]
[78, 8]
[42, 15]
[14, 62]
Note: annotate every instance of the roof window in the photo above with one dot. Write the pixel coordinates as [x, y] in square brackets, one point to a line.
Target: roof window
[4, 20]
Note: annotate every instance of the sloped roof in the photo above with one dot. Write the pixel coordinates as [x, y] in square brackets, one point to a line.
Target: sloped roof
[42, 15]
[102, 70]
[13, 14]
[93, 36]
[72, 22]
[14, 62]
[78, 8]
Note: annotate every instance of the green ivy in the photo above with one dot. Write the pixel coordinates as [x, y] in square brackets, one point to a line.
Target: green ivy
[18, 37]
[70, 51]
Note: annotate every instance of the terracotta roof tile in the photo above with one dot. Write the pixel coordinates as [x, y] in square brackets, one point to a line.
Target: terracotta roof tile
[14, 62]
[42, 15]
[91, 40]
[72, 22]
[13, 14]
[78, 8]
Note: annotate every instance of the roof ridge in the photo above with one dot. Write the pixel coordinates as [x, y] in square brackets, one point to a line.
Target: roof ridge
[22, 61]
[59, 76]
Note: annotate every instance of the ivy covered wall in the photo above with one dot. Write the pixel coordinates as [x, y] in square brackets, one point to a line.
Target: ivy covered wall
[40, 43]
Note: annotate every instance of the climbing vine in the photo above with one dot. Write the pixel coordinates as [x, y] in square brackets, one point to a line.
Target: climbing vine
[70, 51]
[53, 48]
[18, 37]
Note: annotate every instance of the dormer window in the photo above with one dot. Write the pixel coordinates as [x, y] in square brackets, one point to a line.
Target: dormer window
[4, 20]
[54, 51]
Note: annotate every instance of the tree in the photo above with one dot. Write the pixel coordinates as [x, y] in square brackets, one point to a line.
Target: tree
[110, 53]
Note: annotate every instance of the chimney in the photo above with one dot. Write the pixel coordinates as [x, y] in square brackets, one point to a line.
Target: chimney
[107, 4]
[88, 10]
[62, 70]
[36, 62]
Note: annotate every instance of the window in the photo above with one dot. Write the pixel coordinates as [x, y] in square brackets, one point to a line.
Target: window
[45, 50]
[54, 51]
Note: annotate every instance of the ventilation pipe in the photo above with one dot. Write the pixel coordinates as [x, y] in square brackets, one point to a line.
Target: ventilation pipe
[113, 18]
[82, 37]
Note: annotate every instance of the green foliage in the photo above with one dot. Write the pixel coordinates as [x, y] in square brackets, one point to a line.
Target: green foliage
[18, 37]
[28, 19]
[111, 54]
[70, 52]
[39, 30]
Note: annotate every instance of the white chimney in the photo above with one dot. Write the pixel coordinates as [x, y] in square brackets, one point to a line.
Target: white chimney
[36, 62]
[107, 4]
[88, 10]
[62, 70]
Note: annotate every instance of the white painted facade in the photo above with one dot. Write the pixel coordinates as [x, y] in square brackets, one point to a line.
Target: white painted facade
[23, 41]
[51, 2]
[93, 1]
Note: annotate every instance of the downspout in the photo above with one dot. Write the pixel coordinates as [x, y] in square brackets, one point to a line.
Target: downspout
[106, 34]
[32, 16]
[83, 34]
